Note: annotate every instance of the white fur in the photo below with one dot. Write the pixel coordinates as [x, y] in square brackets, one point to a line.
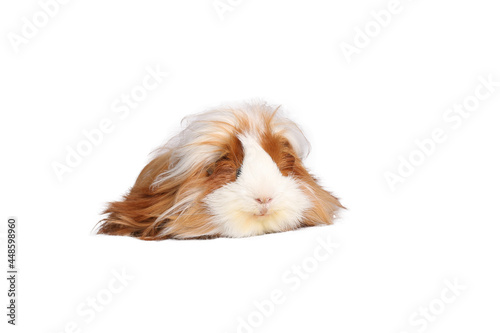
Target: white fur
[233, 205]
[235, 209]
[190, 152]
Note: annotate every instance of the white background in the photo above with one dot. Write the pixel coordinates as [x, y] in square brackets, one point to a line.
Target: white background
[397, 248]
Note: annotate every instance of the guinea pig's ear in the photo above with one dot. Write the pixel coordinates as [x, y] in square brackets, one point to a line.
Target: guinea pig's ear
[294, 136]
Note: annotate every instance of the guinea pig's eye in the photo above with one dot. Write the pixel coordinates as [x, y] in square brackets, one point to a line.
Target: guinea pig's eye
[210, 170]
[238, 172]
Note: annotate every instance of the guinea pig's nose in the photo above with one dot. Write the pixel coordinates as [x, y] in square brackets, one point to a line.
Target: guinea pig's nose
[263, 200]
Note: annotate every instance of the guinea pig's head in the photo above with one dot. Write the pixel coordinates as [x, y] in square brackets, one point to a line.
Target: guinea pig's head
[241, 174]
[260, 193]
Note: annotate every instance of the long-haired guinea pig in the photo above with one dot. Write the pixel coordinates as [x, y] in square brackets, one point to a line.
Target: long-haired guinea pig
[232, 172]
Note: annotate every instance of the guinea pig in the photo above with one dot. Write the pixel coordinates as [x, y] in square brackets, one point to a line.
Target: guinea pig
[231, 172]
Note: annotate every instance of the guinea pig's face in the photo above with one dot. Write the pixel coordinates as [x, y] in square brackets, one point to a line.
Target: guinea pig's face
[255, 188]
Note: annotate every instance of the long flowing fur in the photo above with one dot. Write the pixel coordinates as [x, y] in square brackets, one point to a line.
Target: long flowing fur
[166, 200]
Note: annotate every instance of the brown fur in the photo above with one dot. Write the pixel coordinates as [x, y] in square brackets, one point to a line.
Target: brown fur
[138, 212]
